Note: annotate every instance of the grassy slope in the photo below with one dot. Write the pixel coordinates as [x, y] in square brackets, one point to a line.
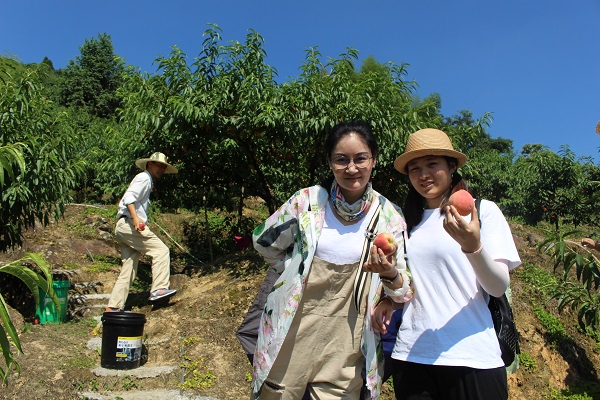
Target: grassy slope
[211, 303]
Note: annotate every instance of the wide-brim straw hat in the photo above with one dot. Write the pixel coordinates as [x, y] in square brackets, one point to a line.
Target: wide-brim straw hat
[427, 142]
[159, 158]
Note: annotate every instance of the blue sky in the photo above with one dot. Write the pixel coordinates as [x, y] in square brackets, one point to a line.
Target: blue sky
[534, 64]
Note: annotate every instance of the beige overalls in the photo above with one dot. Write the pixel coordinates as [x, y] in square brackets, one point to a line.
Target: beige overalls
[321, 352]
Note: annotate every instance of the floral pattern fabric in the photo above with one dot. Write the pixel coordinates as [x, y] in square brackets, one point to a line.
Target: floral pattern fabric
[287, 241]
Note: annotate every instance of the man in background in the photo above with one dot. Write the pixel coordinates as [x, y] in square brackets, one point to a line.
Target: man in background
[136, 238]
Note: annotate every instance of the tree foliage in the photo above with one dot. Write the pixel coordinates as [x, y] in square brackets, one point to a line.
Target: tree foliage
[228, 125]
[35, 136]
[234, 132]
[90, 82]
[545, 186]
[580, 270]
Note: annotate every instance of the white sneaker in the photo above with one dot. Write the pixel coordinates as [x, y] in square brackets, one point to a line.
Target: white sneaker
[161, 294]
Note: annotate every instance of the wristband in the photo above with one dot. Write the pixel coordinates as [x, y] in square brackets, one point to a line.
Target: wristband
[478, 251]
[388, 280]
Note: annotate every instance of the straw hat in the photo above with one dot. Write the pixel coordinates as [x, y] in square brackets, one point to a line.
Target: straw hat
[159, 158]
[426, 142]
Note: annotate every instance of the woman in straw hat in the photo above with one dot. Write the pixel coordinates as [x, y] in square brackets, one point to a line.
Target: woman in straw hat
[136, 238]
[446, 347]
[315, 335]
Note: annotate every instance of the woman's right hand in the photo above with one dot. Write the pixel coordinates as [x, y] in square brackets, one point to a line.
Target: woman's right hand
[382, 315]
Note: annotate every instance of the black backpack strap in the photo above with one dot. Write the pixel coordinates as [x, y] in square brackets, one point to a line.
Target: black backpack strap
[477, 206]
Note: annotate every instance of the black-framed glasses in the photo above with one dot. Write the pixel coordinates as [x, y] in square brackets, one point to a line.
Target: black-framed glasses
[361, 162]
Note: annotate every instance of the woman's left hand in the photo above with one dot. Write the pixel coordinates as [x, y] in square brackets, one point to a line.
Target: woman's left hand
[466, 234]
[380, 263]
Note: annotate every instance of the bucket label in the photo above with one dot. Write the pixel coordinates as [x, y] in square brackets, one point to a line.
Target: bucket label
[129, 348]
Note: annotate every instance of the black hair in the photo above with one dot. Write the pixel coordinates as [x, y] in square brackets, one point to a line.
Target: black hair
[414, 204]
[345, 128]
[338, 132]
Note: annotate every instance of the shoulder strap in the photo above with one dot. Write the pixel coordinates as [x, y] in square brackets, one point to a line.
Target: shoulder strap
[361, 275]
[477, 206]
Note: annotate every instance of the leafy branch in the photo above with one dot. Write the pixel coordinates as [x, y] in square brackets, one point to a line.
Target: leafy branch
[583, 295]
[33, 280]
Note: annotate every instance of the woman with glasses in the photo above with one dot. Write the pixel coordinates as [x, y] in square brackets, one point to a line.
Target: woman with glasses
[315, 337]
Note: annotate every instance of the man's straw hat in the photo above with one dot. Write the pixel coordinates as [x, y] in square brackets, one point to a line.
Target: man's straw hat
[428, 142]
[159, 158]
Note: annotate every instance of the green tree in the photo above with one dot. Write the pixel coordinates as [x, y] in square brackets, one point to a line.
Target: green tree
[29, 120]
[90, 82]
[545, 186]
[230, 125]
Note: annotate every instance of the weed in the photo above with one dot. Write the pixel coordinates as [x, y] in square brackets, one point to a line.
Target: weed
[88, 322]
[98, 267]
[27, 327]
[192, 340]
[94, 385]
[569, 394]
[82, 361]
[595, 335]
[527, 362]
[554, 328]
[103, 263]
[197, 375]
[82, 231]
[129, 383]
[538, 278]
[248, 377]
[107, 212]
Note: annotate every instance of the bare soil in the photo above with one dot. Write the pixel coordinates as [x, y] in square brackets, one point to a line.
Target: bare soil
[196, 328]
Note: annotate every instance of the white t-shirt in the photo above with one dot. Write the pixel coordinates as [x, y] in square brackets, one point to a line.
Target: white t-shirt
[448, 322]
[342, 244]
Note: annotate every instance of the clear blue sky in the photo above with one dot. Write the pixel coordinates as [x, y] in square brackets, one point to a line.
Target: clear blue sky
[534, 64]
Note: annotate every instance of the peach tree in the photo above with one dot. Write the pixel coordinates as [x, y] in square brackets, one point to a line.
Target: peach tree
[227, 122]
[48, 168]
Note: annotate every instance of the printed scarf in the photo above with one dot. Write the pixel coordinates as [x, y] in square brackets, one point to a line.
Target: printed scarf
[351, 212]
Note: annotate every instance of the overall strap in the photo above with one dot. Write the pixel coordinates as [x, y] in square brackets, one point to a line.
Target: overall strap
[361, 275]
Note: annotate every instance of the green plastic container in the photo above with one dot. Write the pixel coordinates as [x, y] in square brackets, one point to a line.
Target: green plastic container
[47, 312]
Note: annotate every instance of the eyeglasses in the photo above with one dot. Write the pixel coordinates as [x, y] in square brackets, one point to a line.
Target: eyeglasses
[342, 163]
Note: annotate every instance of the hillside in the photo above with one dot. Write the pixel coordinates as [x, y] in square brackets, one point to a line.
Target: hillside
[196, 329]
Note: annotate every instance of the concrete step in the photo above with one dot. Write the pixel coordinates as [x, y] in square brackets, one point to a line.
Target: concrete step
[145, 371]
[83, 305]
[144, 395]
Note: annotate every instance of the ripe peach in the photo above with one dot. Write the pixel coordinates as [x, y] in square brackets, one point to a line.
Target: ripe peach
[462, 201]
[385, 241]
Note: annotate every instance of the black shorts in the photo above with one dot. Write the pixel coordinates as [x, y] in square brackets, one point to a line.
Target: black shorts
[437, 382]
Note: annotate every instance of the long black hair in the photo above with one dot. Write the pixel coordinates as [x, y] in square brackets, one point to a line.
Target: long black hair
[338, 132]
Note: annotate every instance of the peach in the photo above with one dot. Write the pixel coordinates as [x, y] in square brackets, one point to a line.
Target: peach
[462, 201]
[142, 226]
[386, 242]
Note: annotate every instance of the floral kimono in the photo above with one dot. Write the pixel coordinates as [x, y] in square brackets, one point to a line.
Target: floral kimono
[287, 240]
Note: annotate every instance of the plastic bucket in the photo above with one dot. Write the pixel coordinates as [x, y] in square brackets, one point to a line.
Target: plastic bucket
[47, 312]
[122, 340]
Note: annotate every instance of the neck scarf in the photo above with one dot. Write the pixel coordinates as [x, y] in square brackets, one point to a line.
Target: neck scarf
[351, 212]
